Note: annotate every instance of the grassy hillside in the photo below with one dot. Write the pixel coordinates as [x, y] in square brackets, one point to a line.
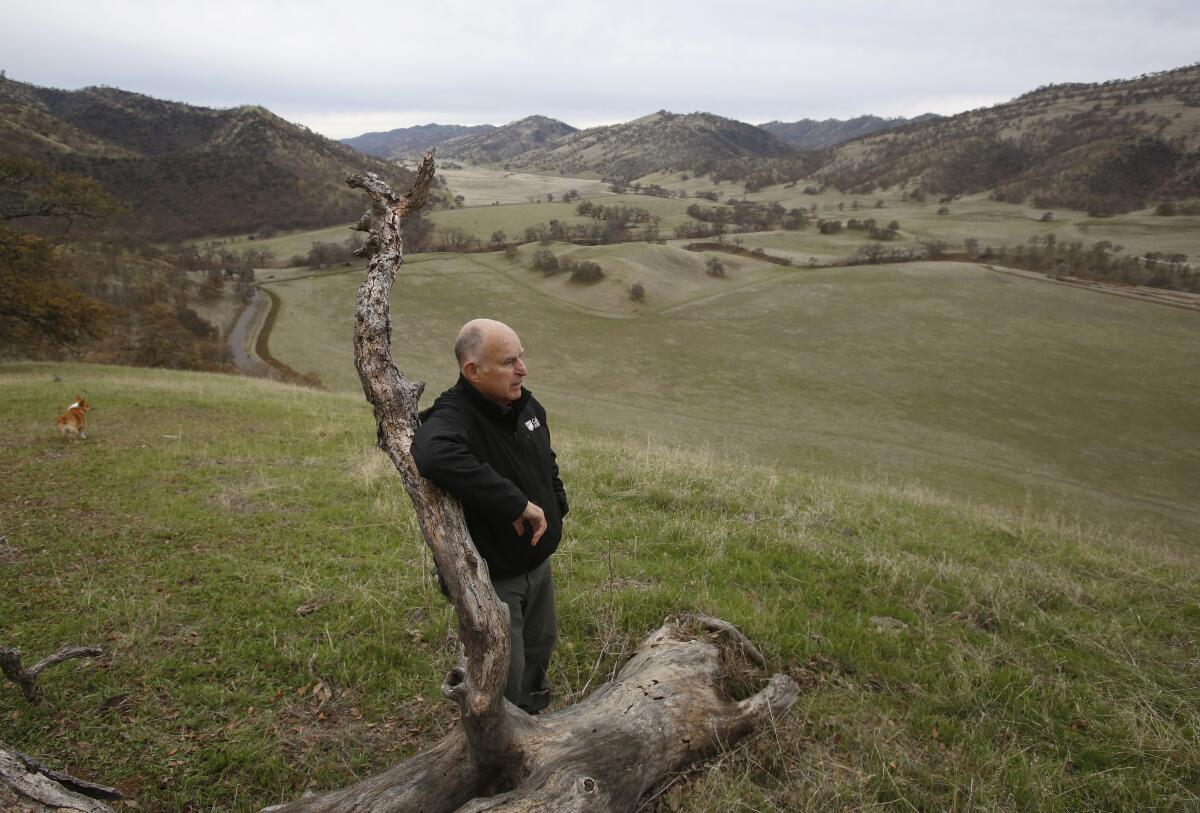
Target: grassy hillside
[252, 568]
[1106, 147]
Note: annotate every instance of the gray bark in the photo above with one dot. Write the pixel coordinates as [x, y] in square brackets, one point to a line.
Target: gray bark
[27, 787]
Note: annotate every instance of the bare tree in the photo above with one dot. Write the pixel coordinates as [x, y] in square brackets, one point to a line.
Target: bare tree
[670, 705]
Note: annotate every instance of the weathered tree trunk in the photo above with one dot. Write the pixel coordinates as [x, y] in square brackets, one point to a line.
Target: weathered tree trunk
[671, 704]
[27, 787]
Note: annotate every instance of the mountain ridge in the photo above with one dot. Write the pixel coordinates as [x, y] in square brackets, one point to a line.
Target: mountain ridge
[814, 134]
[506, 142]
[657, 141]
[1104, 147]
[405, 142]
[185, 170]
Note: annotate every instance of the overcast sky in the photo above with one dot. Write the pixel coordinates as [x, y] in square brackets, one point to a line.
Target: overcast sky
[396, 64]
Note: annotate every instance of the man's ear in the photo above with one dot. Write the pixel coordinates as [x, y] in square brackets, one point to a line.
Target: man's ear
[470, 371]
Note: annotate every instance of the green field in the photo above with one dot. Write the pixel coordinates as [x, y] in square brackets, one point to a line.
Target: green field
[989, 222]
[942, 376]
[483, 187]
[251, 566]
[481, 221]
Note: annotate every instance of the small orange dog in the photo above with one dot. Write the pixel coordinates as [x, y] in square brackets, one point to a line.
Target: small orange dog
[71, 422]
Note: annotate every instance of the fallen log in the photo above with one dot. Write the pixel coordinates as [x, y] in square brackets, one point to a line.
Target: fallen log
[28, 787]
[673, 702]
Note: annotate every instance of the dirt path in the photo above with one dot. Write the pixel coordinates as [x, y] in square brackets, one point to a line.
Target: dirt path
[1157, 296]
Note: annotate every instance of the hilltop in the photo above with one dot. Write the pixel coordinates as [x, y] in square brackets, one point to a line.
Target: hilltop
[1104, 147]
[406, 142]
[659, 141]
[504, 143]
[811, 134]
[184, 170]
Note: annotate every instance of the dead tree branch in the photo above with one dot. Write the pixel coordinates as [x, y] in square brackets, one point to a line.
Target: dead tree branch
[26, 679]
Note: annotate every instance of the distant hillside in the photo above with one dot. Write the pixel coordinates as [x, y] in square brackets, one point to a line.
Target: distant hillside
[810, 134]
[188, 171]
[409, 141]
[1105, 148]
[655, 142]
[503, 143]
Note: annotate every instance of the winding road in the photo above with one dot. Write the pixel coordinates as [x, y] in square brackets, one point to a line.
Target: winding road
[238, 338]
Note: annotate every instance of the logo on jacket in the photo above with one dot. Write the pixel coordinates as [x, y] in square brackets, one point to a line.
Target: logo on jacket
[532, 423]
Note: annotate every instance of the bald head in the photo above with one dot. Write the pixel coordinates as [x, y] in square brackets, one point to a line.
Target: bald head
[490, 356]
[475, 336]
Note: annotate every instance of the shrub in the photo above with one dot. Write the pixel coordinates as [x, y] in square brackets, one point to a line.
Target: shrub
[586, 271]
[544, 260]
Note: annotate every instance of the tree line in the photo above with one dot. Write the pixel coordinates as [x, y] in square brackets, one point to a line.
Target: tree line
[66, 291]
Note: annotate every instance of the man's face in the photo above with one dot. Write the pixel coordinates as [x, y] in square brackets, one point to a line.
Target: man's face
[501, 368]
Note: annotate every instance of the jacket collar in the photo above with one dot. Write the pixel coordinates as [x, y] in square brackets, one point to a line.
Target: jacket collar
[487, 405]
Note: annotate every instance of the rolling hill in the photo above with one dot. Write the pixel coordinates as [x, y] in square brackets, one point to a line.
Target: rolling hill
[659, 141]
[1105, 147]
[188, 171]
[811, 134]
[406, 142]
[504, 143]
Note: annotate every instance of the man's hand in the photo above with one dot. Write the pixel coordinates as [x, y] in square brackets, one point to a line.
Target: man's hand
[537, 521]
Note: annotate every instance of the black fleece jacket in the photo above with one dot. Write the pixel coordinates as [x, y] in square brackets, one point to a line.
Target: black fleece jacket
[494, 459]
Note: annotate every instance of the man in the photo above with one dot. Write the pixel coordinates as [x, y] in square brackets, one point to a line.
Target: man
[485, 441]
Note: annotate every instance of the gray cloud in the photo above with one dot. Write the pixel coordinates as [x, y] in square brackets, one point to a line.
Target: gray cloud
[586, 63]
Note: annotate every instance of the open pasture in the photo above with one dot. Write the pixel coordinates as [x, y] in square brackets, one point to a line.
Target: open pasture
[481, 221]
[988, 221]
[986, 387]
[285, 246]
[252, 568]
[480, 186]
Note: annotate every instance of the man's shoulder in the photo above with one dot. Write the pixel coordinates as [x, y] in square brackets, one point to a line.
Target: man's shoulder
[449, 404]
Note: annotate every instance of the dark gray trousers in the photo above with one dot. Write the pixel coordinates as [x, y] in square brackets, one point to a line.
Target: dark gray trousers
[533, 631]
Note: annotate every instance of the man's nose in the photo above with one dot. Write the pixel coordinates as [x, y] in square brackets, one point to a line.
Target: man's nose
[521, 368]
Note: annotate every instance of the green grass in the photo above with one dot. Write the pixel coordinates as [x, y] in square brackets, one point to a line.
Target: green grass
[482, 187]
[1002, 391]
[1029, 666]
[481, 221]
